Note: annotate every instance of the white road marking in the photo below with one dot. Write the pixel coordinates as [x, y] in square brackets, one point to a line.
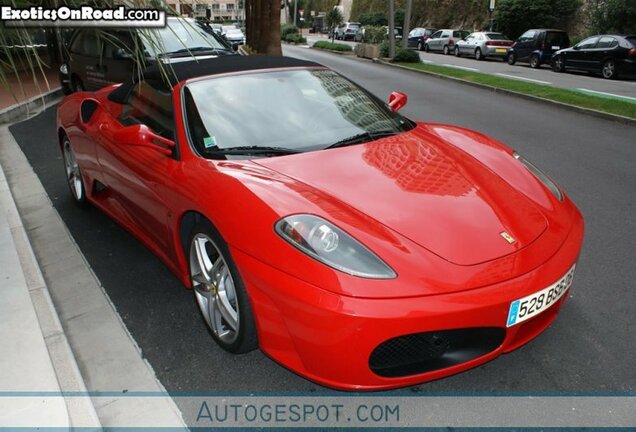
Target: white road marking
[607, 94]
[523, 79]
[461, 67]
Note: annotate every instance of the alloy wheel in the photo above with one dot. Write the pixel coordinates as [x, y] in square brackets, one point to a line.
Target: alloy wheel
[609, 69]
[73, 174]
[214, 289]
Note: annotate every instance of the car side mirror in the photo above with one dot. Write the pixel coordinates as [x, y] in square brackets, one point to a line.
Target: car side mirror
[122, 54]
[141, 136]
[397, 100]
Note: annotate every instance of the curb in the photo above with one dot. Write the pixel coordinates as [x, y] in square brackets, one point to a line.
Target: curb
[80, 411]
[85, 311]
[345, 53]
[588, 111]
[29, 107]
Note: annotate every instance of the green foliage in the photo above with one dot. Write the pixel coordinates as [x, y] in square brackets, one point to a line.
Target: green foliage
[613, 16]
[384, 49]
[287, 29]
[295, 38]
[398, 15]
[334, 18]
[373, 19]
[404, 55]
[516, 16]
[332, 46]
[374, 34]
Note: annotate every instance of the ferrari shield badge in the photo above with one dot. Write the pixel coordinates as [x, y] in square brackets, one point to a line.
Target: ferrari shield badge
[510, 239]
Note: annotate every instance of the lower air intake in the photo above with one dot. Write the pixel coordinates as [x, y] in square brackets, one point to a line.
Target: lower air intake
[425, 352]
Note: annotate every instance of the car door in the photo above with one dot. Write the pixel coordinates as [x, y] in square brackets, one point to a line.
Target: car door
[117, 62]
[581, 55]
[443, 40]
[137, 176]
[433, 40]
[605, 48]
[464, 44]
[84, 60]
[525, 44]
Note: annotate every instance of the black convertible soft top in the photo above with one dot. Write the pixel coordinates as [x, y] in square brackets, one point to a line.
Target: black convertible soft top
[173, 73]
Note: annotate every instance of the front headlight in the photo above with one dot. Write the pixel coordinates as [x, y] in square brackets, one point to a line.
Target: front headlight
[330, 245]
[541, 176]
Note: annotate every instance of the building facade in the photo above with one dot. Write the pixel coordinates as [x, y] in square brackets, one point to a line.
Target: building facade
[214, 10]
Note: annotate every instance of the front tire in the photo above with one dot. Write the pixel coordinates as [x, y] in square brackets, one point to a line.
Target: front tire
[558, 65]
[426, 48]
[512, 59]
[478, 54]
[446, 50]
[609, 70]
[457, 52]
[535, 62]
[73, 174]
[219, 290]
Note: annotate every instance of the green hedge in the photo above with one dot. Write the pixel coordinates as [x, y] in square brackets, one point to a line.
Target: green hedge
[288, 29]
[404, 55]
[295, 38]
[384, 49]
[332, 46]
[374, 34]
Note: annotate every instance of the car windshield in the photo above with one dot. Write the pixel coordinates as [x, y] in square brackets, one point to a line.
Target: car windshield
[178, 36]
[296, 110]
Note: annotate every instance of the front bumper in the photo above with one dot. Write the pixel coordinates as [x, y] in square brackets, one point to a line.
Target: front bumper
[329, 338]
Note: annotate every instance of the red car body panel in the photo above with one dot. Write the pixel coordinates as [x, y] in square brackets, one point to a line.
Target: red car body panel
[431, 203]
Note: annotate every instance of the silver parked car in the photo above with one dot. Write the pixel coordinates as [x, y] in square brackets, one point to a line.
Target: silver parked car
[349, 30]
[483, 44]
[444, 40]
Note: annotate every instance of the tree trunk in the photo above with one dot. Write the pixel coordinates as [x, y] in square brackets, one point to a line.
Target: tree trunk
[263, 26]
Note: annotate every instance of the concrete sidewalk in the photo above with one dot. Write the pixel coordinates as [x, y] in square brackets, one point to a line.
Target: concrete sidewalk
[61, 340]
[37, 363]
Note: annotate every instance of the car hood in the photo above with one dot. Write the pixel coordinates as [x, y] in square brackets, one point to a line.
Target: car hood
[425, 189]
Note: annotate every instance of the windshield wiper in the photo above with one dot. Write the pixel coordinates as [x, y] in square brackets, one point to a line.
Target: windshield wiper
[362, 137]
[251, 150]
[188, 51]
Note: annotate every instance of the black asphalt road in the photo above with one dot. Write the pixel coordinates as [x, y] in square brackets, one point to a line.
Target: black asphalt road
[590, 348]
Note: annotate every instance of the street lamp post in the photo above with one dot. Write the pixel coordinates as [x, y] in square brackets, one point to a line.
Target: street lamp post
[491, 9]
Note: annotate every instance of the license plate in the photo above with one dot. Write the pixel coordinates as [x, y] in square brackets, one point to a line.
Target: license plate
[556, 47]
[502, 50]
[532, 305]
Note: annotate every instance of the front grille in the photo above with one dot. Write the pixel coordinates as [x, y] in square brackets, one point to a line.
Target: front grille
[425, 352]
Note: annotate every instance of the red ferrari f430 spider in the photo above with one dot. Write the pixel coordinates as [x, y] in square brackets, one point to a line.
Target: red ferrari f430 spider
[354, 246]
